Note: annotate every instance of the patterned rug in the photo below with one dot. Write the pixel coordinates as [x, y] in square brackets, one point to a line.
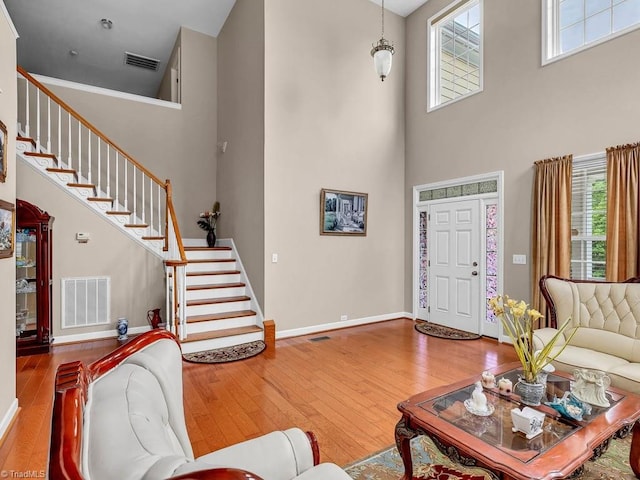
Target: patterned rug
[226, 354]
[430, 464]
[435, 330]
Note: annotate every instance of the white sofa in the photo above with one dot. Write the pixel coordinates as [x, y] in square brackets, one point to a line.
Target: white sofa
[608, 315]
[123, 418]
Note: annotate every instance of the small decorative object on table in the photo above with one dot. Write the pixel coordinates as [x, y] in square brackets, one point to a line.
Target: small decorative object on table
[488, 379]
[505, 386]
[478, 404]
[570, 407]
[208, 221]
[519, 322]
[122, 328]
[590, 386]
[528, 421]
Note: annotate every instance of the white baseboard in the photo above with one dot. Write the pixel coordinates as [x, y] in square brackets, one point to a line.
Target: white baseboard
[296, 332]
[79, 337]
[8, 418]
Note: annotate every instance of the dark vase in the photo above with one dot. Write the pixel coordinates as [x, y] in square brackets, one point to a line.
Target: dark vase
[211, 238]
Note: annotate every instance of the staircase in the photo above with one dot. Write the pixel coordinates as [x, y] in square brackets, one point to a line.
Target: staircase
[210, 303]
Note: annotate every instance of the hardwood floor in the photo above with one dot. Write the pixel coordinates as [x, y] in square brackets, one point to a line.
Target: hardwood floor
[344, 387]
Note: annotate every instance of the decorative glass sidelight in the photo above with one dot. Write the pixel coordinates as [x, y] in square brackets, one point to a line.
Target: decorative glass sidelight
[491, 275]
[423, 259]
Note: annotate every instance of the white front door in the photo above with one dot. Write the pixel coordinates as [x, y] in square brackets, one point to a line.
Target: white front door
[454, 264]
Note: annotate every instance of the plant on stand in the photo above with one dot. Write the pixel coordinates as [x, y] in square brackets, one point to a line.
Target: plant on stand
[208, 221]
[519, 323]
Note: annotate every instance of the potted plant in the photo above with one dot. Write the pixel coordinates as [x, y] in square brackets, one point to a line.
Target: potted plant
[519, 323]
[208, 221]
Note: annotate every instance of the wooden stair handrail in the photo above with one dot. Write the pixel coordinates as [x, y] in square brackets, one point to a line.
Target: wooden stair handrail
[88, 125]
[174, 221]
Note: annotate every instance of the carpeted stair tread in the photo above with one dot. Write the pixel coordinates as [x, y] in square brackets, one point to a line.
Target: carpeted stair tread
[216, 285]
[213, 272]
[229, 332]
[213, 301]
[220, 316]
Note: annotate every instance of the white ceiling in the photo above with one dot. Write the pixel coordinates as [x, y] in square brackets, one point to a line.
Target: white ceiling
[49, 30]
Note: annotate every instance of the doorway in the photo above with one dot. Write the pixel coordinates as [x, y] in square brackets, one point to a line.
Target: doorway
[458, 252]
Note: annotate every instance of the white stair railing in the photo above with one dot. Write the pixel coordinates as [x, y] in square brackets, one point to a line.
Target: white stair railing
[110, 173]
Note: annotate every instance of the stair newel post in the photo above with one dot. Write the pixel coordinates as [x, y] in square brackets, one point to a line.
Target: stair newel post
[48, 125]
[169, 199]
[182, 302]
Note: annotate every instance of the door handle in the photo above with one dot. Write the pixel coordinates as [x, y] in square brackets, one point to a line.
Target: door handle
[474, 273]
[475, 264]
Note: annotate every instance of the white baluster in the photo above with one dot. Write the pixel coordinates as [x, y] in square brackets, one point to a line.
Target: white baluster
[59, 134]
[125, 164]
[99, 163]
[27, 126]
[89, 155]
[69, 143]
[144, 220]
[48, 124]
[135, 198]
[108, 170]
[117, 178]
[38, 119]
[79, 149]
[151, 203]
[159, 213]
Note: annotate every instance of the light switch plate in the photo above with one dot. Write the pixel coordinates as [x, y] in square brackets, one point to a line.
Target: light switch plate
[519, 259]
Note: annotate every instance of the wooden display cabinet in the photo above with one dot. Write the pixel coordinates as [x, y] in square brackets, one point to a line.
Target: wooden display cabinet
[33, 279]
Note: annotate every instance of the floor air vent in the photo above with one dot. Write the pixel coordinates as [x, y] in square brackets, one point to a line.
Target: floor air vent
[140, 61]
[319, 339]
[85, 301]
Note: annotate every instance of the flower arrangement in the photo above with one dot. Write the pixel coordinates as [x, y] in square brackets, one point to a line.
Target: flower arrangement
[518, 322]
[208, 220]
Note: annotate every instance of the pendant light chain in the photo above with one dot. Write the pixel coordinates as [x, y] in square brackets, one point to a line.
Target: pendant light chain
[382, 19]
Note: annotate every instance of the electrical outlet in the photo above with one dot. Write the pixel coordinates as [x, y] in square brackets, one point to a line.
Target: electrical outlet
[519, 259]
[274, 258]
[343, 318]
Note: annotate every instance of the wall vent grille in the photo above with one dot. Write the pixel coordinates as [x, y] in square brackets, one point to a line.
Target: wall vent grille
[85, 301]
[141, 61]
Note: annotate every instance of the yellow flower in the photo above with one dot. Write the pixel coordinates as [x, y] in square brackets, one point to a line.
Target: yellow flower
[511, 302]
[534, 314]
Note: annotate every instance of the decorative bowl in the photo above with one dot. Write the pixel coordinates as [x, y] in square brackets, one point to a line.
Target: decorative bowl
[570, 407]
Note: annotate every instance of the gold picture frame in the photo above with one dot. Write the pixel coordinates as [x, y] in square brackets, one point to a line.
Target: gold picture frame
[343, 212]
[7, 229]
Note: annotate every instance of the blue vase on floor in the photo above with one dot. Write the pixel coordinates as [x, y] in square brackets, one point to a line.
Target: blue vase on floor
[122, 328]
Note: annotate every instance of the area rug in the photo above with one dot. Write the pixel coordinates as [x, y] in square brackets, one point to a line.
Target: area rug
[430, 464]
[226, 354]
[440, 331]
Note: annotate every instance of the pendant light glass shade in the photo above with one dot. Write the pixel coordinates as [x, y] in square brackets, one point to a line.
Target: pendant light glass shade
[382, 53]
[382, 58]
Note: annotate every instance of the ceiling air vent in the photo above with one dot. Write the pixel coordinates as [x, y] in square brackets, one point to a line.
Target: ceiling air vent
[136, 60]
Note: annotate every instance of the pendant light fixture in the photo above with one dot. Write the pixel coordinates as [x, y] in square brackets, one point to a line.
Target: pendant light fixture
[382, 53]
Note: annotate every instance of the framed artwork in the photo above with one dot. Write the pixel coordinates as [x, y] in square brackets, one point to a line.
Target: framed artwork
[343, 213]
[3, 152]
[7, 228]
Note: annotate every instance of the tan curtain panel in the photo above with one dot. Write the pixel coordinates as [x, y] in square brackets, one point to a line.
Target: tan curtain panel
[551, 230]
[623, 172]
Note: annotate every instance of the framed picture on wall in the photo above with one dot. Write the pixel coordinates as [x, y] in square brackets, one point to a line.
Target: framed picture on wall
[343, 213]
[7, 228]
[3, 152]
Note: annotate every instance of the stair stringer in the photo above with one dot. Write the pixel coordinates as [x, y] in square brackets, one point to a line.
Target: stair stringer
[40, 164]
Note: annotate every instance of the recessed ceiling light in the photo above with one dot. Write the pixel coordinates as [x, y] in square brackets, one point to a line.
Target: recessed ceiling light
[106, 24]
[73, 53]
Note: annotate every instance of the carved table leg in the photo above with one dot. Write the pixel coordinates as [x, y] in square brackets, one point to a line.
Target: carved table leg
[404, 434]
[634, 454]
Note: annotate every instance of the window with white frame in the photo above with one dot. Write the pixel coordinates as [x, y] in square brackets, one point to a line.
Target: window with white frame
[455, 54]
[588, 218]
[573, 25]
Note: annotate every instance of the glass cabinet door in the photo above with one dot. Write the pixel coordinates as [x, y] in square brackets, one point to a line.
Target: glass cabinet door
[26, 283]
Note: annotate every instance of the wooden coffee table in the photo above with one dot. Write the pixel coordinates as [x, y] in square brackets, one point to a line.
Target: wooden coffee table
[488, 441]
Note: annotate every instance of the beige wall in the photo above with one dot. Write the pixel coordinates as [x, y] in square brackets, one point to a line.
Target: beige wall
[240, 180]
[526, 112]
[331, 123]
[137, 275]
[8, 116]
[178, 144]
